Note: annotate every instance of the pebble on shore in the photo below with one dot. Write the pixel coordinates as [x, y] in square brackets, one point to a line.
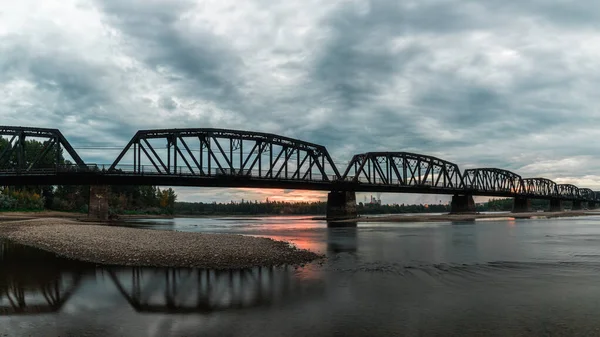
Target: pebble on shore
[153, 248]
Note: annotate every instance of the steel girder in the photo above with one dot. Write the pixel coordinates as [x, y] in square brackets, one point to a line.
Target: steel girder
[492, 180]
[403, 169]
[219, 152]
[540, 187]
[568, 191]
[587, 194]
[13, 157]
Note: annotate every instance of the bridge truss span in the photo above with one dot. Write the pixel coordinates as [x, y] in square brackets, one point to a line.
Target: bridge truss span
[568, 191]
[219, 153]
[492, 181]
[403, 171]
[587, 194]
[15, 158]
[539, 187]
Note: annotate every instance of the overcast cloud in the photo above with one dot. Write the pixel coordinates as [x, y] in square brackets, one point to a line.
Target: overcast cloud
[509, 84]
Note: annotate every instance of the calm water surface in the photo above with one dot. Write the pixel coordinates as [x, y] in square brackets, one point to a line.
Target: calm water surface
[484, 278]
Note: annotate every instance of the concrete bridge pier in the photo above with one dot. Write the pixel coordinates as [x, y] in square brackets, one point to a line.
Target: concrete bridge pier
[577, 205]
[98, 206]
[556, 205]
[341, 205]
[521, 205]
[462, 204]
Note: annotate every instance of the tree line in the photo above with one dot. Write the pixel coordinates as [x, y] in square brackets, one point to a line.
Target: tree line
[319, 208]
[121, 199]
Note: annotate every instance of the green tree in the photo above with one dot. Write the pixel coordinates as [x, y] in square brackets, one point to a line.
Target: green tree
[36, 154]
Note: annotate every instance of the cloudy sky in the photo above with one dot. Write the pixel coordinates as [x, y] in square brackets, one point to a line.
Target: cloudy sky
[502, 83]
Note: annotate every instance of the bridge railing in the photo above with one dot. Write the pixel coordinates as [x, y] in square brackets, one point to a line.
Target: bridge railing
[380, 181]
[65, 168]
[184, 171]
[181, 171]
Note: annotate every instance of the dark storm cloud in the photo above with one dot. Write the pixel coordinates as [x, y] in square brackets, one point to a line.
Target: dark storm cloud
[160, 38]
[356, 65]
[167, 103]
[564, 13]
[510, 84]
[65, 86]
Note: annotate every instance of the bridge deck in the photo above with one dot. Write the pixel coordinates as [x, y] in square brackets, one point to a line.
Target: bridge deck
[83, 177]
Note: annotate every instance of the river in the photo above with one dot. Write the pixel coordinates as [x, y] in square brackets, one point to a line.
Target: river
[484, 278]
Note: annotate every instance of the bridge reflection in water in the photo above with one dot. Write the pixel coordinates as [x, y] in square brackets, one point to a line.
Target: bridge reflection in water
[34, 281]
[183, 291]
[37, 282]
[342, 240]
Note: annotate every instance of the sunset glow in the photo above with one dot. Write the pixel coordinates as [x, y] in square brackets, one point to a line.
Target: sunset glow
[262, 194]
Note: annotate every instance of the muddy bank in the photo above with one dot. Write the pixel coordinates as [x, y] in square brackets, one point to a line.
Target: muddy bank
[140, 247]
[12, 216]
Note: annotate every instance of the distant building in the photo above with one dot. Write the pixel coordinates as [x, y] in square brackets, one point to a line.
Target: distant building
[375, 200]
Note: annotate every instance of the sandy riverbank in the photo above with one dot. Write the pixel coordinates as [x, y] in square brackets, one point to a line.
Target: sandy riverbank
[140, 247]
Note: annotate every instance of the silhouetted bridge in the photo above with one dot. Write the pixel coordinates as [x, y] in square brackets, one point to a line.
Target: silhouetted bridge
[230, 158]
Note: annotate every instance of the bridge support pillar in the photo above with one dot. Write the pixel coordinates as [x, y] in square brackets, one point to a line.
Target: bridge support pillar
[556, 205]
[521, 205]
[341, 206]
[98, 206]
[462, 204]
[577, 205]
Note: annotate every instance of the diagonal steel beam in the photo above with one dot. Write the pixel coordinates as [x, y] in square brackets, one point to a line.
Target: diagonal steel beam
[155, 155]
[187, 148]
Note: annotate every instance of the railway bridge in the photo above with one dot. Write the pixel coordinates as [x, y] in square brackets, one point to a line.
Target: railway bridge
[208, 157]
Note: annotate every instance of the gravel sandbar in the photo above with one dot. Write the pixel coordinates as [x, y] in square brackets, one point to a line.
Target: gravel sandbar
[144, 247]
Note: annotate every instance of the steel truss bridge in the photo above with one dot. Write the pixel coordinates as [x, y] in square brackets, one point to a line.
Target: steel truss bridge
[209, 157]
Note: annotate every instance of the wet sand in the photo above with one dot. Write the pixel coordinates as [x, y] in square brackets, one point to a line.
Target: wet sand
[110, 245]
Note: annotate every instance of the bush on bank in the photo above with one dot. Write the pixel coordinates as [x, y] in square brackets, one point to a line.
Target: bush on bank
[19, 200]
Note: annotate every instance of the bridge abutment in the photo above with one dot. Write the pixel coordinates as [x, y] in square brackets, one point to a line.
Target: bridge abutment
[577, 205]
[556, 205]
[98, 205]
[341, 205]
[462, 204]
[521, 205]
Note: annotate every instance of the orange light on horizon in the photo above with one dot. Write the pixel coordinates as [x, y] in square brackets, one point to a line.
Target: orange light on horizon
[262, 194]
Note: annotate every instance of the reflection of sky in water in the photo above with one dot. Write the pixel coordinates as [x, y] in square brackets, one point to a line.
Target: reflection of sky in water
[489, 277]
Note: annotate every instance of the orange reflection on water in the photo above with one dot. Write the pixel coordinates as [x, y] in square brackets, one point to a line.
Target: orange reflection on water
[302, 243]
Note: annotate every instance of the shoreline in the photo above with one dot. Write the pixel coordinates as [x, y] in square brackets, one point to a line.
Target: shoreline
[111, 245]
[29, 215]
[420, 217]
[465, 217]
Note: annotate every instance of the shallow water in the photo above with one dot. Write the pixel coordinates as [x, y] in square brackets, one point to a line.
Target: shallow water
[482, 278]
